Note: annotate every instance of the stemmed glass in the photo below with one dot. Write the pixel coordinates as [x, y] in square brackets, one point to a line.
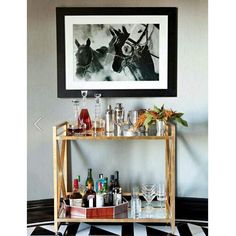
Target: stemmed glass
[149, 192]
[161, 194]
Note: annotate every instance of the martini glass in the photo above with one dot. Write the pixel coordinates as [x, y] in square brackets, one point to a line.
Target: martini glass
[149, 192]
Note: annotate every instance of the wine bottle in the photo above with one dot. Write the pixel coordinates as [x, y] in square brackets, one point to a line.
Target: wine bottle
[116, 181]
[75, 197]
[110, 191]
[89, 198]
[89, 178]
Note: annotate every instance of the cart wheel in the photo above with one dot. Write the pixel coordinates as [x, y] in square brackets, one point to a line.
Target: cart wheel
[58, 234]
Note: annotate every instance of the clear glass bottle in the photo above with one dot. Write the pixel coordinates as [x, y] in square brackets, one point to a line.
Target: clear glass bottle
[84, 114]
[98, 123]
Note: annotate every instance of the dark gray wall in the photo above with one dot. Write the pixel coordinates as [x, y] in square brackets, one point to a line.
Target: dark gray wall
[130, 157]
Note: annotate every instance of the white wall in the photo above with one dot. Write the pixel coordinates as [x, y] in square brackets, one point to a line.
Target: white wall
[130, 157]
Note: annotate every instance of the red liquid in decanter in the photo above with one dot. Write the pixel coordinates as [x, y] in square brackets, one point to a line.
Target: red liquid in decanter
[84, 116]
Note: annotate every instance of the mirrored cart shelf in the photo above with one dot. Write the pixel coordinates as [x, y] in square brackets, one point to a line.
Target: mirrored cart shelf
[157, 214]
[64, 137]
[60, 143]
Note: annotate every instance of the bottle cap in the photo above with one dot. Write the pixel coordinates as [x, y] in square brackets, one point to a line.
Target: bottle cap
[119, 105]
[117, 174]
[76, 183]
[112, 177]
[78, 177]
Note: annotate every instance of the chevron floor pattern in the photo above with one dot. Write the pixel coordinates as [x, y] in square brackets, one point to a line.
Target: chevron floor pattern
[128, 229]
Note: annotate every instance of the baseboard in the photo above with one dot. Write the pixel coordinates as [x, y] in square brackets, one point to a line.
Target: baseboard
[186, 208]
[192, 208]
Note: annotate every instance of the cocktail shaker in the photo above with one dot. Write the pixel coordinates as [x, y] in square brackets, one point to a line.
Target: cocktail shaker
[119, 116]
[109, 120]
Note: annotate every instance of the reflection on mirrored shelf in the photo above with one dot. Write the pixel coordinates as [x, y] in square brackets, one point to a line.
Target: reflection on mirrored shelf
[156, 212]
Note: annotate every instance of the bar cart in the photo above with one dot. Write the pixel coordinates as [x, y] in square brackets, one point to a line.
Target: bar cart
[60, 144]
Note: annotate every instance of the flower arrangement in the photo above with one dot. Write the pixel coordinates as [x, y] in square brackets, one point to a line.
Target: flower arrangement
[162, 114]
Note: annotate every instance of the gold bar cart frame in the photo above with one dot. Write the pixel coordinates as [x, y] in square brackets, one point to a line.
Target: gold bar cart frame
[60, 144]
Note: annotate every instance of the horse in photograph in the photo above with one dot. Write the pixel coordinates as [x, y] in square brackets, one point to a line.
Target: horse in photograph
[89, 61]
[132, 51]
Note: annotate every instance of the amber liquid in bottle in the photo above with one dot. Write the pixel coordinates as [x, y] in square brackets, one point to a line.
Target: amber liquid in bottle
[89, 198]
[76, 197]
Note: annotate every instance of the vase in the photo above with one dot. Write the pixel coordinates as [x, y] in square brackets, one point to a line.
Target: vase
[161, 127]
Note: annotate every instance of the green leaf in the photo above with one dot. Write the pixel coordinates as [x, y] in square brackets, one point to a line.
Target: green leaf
[156, 109]
[182, 122]
[179, 114]
[147, 121]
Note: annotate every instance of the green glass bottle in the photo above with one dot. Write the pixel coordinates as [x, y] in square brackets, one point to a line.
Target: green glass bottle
[89, 178]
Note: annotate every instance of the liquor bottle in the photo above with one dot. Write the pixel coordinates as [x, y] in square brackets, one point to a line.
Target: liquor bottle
[76, 197]
[100, 195]
[89, 198]
[105, 184]
[116, 181]
[89, 178]
[119, 196]
[98, 123]
[81, 187]
[84, 114]
[110, 191]
[100, 183]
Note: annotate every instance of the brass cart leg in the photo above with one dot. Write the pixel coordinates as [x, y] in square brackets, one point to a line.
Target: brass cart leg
[55, 154]
[167, 178]
[172, 167]
[59, 170]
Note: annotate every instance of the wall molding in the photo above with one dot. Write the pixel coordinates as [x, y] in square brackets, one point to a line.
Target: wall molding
[186, 209]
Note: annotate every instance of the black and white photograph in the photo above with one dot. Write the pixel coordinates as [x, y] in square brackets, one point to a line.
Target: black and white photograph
[117, 54]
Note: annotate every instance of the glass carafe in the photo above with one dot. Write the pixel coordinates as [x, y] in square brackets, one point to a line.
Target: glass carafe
[84, 114]
[98, 123]
[73, 126]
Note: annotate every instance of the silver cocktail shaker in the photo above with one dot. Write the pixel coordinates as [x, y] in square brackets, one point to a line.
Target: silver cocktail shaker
[109, 120]
[119, 117]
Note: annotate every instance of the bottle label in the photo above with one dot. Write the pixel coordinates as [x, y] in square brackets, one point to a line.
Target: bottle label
[119, 198]
[90, 200]
[76, 202]
[114, 199]
[99, 200]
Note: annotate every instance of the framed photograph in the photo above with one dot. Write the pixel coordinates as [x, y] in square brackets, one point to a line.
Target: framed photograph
[118, 52]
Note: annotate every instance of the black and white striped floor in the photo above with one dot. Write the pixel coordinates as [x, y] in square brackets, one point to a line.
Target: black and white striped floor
[129, 229]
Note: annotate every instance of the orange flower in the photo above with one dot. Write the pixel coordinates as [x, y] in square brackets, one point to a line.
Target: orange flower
[140, 120]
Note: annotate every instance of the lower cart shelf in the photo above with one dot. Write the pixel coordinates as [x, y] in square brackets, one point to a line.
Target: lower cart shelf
[157, 215]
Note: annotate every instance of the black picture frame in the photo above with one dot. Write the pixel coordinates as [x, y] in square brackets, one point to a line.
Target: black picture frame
[170, 12]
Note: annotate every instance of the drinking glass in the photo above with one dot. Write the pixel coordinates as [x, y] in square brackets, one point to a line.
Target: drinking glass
[161, 194]
[149, 192]
[135, 203]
